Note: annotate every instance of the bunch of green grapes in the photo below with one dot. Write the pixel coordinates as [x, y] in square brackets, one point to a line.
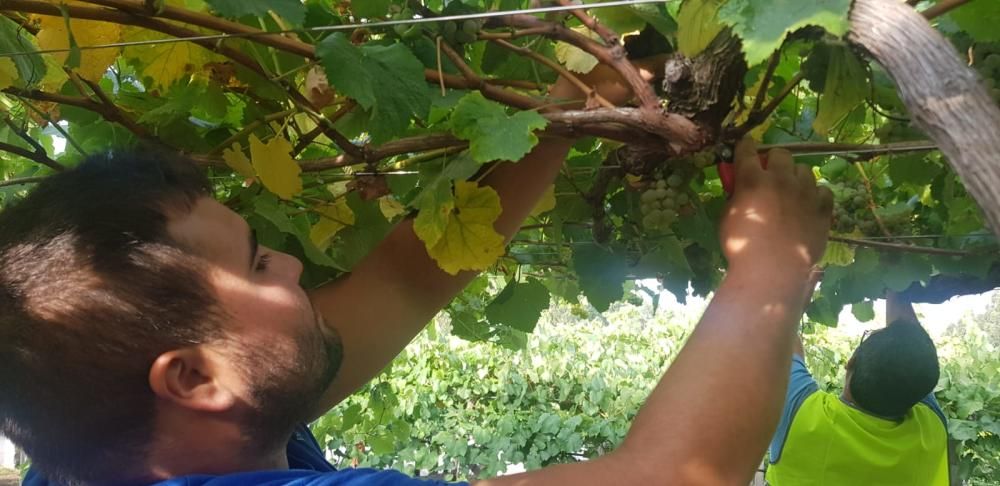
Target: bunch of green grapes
[662, 201]
[464, 32]
[986, 60]
[851, 210]
[703, 159]
[406, 31]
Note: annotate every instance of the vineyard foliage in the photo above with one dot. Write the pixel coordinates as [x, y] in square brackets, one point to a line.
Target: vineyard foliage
[467, 410]
[324, 139]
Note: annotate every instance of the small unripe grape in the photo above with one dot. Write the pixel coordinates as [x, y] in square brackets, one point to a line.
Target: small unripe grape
[668, 203]
[675, 181]
[682, 199]
[859, 200]
[661, 184]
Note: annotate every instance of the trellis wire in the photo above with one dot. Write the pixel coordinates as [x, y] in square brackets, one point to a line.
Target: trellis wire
[330, 28]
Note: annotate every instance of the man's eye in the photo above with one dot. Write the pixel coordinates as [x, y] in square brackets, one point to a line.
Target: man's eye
[262, 262]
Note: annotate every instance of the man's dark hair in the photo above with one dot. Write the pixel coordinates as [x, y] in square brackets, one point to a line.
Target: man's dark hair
[92, 290]
[894, 369]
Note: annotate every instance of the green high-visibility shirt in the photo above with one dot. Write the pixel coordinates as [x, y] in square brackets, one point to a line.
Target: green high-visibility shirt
[823, 441]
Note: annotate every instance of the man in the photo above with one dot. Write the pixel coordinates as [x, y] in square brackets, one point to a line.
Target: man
[146, 338]
[885, 429]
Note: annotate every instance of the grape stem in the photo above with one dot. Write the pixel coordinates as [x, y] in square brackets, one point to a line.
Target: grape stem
[871, 200]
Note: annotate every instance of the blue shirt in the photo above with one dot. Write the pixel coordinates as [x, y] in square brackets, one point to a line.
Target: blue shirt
[800, 386]
[307, 466]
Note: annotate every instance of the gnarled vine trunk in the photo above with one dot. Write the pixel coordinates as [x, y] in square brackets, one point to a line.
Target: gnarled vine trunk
[944, 95]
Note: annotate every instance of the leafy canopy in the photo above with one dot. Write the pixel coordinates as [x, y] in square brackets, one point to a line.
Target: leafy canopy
[324, 140]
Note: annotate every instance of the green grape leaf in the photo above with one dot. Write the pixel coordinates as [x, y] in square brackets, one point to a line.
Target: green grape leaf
[697, 25]
[468, 326]
[656, 16]
[13, 38]
[267, 207]
[519, 305]
[292, 11]
[824, 312]
[388, 81]
[371, 9]
[494, 135]
[601, 273]
[764, 24]
[916, 169]
[863, 311]
[907, 269]
[845, 88]
[980, 19]
[619, 19]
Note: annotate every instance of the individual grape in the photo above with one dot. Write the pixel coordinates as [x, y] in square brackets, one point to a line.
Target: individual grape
[682, 199]
[470, 27]
[668, 203]
[671, 193]
[859, 201]
[675, 180]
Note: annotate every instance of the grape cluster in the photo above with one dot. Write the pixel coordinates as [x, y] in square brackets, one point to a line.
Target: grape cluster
[465, 32]
[986, 60]
[851, 209]
[703, 159]
[852, 212]
[663, 200]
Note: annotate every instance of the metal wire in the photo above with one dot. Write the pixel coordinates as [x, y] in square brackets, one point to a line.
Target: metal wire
[330, 28]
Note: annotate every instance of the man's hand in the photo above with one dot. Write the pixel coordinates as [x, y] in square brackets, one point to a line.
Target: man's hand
[776, 219]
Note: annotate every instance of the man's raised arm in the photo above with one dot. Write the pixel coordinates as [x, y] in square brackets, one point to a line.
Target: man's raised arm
[709, 420]
[391, 295]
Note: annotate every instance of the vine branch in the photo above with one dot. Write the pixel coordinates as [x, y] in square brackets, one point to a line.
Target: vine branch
[566, 73]
[900, 247]
[22, 180]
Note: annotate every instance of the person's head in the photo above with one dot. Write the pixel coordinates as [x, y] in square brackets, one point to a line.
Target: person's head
[127, 293]
[892, 369]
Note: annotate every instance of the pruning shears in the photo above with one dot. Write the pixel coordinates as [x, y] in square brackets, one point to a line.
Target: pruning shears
[727, 171]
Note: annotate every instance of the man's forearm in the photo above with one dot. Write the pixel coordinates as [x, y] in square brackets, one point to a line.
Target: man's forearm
[897, 308]
[724, 391]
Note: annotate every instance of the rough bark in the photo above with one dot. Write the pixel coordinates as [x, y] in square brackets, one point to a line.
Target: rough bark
[703, 88]
[944, 96]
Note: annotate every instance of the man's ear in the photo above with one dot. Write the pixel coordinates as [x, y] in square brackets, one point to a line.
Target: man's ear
[187, 378]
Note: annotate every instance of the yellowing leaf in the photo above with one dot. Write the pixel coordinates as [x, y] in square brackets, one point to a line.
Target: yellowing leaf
[8, 73]
[390, 207]
[469, 241]
[165, 63]
[332, 218]
[574, 58]
[845, 88]
[837, 254]
[546, 203]
[94, 63]
[697, 26]
[274, 165]
[238, 161]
